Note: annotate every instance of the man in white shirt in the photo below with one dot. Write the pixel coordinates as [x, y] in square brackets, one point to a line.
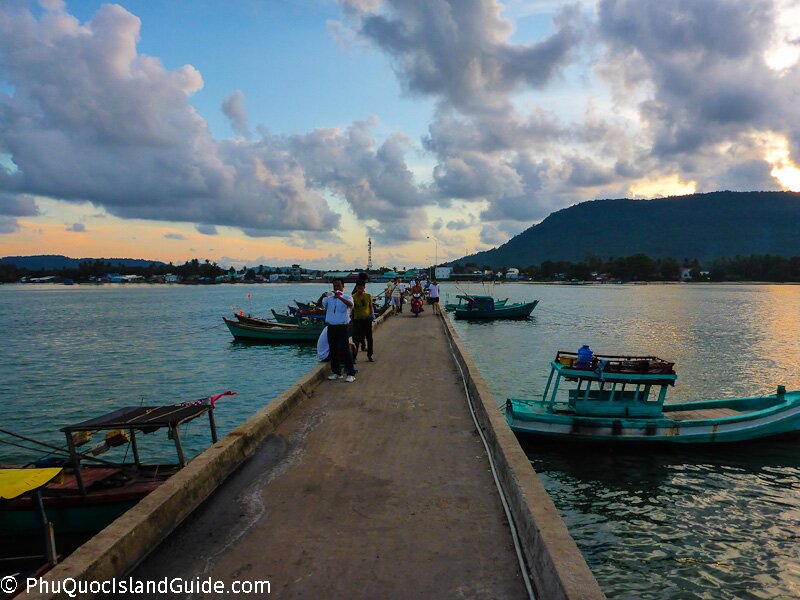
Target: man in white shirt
[337, 316]
[433, 290]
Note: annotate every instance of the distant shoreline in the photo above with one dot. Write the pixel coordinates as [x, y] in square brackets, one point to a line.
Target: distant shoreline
[442, 281]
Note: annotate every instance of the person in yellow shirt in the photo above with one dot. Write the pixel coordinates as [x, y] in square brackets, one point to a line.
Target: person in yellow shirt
[362, 319]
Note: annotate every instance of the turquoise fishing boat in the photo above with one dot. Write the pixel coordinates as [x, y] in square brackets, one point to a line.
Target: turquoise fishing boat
[622, 399]
[484, 308]
[283, 333]
[462, 302]
[287, 319]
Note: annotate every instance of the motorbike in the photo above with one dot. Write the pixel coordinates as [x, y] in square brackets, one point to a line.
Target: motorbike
[416, 304]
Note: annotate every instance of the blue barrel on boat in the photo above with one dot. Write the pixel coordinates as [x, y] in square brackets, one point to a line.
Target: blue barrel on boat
[584, 356]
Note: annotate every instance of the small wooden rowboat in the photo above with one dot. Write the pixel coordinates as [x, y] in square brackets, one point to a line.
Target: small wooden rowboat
[282, 333]
[609, 400]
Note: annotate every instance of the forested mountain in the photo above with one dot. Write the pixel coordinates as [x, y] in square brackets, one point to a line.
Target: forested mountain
[701, 226]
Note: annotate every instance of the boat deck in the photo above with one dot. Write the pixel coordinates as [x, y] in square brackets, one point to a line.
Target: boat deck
[703, 413]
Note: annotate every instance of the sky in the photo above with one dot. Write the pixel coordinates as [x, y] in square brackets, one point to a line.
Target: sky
[292, 131]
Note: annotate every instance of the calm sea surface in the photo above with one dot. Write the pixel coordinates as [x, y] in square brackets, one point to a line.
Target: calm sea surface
[689, 523]
[685, 523]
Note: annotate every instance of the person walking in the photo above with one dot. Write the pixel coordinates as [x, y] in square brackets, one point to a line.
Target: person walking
[433, 291]
[362, 320]
[337, 316]
[397, 297]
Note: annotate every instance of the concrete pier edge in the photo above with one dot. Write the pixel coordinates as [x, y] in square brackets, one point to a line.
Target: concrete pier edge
[556, 566]
[118, 548]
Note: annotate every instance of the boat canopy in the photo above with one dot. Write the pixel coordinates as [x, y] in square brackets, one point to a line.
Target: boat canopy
[16, 482]
[143, 418]
[610, 385]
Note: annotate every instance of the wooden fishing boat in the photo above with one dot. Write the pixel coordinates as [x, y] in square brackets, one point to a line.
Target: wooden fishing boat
[310, 314]
[462, 302]
[484, 308]
[284, 321]
[93, 491]
[622, 399]
[282, 333]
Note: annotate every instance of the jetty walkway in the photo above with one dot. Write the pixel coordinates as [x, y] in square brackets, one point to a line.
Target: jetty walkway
[375, 489]
[381, 488]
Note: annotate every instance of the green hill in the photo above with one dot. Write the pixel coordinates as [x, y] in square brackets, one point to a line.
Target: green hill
[701, 226]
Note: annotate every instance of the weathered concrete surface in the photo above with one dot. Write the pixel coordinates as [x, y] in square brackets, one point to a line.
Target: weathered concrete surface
[557, 568]
[375, 489]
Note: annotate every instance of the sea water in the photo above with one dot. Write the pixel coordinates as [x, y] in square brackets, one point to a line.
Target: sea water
[682, 523]
[689, 522]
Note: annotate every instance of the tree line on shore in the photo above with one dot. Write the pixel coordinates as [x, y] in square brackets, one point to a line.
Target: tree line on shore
[91, 270]
[641, 267]
[637, 267]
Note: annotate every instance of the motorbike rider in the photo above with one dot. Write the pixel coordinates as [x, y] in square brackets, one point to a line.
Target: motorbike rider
[416, 295]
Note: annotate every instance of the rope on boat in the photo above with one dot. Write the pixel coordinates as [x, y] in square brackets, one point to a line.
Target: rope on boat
[514, 533]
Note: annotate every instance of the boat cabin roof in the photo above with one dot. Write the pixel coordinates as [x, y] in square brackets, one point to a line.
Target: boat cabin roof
[615, 367]
[143, 418]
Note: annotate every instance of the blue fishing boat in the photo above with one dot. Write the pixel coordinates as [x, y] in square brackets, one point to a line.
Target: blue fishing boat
[484, 308]
[622, 399]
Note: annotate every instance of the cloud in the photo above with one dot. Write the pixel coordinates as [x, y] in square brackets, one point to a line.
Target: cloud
[206, 229]
[459, 224]
[91, 119]
[460, 52]
[76, 228]
[18, 205]
[701, 68]
[8, 225]
[373, 179]
[174, 236]
[234, 108]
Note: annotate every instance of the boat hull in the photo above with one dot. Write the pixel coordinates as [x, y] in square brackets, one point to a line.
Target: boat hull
[748, 419]
[71, 512]
[508, 311]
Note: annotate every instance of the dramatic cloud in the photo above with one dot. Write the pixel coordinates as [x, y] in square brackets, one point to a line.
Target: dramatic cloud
[77, 228]
[374, 180]
[690, 85]
[459, 51]
[91, 119]
[700, 72]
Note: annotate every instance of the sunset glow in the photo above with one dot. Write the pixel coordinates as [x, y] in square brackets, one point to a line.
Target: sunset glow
[662, 187]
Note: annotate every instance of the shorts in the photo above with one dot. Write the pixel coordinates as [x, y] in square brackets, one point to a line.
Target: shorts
[434, 300]
[396, 300]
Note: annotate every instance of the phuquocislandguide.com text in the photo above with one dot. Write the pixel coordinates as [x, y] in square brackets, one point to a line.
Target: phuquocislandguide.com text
[75, 588]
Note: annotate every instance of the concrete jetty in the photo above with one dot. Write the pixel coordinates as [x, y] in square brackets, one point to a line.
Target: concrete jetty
[381, 488]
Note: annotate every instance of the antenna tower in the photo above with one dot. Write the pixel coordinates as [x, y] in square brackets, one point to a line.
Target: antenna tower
[369, 254]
